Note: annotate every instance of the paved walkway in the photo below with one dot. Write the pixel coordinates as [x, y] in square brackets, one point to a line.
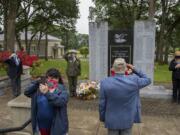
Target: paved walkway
[160, 117]
[86, 123]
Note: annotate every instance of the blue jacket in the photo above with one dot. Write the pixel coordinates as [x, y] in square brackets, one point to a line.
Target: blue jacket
[59, 101]
[119, 105]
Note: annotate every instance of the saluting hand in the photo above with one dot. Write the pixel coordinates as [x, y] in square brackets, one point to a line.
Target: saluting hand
[130, 66]
[177, 66]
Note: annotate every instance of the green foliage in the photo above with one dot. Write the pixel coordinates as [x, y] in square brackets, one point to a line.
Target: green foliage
[119, 13]
[70, 38]
[84, 51]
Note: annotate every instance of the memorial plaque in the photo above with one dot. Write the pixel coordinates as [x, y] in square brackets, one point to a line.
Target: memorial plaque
[123, 51]
[120, 46]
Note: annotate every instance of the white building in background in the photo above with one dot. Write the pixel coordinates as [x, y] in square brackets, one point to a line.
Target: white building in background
[55, 49]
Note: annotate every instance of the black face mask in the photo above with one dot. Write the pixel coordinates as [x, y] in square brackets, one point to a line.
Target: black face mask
[177, 57]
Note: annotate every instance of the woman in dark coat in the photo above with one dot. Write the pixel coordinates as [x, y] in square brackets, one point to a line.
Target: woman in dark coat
[175, 68]
[49, 105]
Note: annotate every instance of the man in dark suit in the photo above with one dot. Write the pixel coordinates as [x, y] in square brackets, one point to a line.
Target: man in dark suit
[14, 72]
[175, 68]
[73, 71]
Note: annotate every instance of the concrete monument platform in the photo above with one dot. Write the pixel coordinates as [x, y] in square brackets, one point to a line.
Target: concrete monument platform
[156, 92]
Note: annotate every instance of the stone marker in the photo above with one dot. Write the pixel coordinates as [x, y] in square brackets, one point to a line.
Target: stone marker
[98, 50]
[144, 47]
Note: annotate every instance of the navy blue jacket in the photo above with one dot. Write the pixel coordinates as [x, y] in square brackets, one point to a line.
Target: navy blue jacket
[14, 71]
[175, 71]
[119, 105]
[59, 101]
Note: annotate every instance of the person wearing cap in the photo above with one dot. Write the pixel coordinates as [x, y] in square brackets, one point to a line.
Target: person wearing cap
[15, 70]
[73, 70]
[175, 68]
[119, 102]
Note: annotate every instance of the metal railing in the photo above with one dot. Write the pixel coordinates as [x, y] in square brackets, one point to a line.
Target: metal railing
[13, 129]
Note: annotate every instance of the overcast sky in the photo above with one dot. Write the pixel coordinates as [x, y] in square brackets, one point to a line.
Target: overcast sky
[82, 22]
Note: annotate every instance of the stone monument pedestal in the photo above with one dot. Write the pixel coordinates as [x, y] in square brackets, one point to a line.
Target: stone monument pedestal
[156, 92]
[20, 112]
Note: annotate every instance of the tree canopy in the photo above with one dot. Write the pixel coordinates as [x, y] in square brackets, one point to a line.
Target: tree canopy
[122, 14]
[38, 16]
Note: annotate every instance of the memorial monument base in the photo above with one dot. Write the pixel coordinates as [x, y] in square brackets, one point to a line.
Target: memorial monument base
[156, 92]
[20, 112]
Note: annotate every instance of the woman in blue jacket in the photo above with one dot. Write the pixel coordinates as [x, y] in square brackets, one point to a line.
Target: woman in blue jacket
[49, 105]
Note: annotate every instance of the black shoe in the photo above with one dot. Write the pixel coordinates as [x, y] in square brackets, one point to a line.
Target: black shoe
[178, 101]
[174, 101]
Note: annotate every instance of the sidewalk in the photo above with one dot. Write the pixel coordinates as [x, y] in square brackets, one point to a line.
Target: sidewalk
[86, 123]
[159, 117]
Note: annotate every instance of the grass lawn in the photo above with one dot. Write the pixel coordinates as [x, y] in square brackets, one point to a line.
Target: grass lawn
[161, 74]
[61, 65]
[2, 72]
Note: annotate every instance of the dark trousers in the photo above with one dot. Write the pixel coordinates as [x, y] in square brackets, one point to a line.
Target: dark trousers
[120, 132]
[72, 80]
[176, 90]
[16, 86]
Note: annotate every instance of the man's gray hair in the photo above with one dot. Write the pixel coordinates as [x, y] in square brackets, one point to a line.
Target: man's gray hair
[119, 65]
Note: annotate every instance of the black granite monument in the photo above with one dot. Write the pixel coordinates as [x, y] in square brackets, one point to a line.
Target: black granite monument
[120, 46]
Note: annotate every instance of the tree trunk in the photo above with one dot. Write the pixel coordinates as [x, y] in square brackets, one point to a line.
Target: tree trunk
[162, 33]
[46, 47]
[29, 43]
[151, 9]
[11, 25]
[26, 38]
[5, 2]
[166, 54]
[18, 39]
[38, 44]
[67, 40]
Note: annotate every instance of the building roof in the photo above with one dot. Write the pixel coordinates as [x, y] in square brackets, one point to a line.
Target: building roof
[52, 38]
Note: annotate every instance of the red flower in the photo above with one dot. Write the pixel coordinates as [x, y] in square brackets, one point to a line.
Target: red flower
[4, 55]
[26, 59]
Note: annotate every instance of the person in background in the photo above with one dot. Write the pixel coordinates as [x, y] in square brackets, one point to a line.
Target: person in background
[175, 68]
[73, 70]
[49, 99]
[119, 102]
[15, 70]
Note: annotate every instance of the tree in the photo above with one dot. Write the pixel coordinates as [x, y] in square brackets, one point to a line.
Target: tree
[168, 20]
[37, 16]
[84, 51]
[121, 14]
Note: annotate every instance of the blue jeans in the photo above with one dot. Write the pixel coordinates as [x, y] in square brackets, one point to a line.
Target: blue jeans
[120, 132]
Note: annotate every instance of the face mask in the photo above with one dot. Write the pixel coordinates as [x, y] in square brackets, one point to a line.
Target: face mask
[52, 84]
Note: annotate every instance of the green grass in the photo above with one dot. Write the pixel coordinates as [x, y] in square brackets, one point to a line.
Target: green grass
[61, 65]
[2, 72]
[161, 74]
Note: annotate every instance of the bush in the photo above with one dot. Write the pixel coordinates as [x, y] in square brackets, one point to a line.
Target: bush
[84, 51]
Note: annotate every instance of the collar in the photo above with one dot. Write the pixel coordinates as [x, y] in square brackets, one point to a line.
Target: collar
[119, 74]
